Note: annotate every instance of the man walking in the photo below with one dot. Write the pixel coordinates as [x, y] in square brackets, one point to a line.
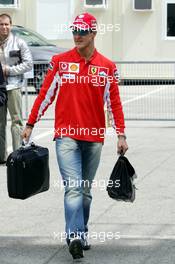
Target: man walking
[84, 80]
[16, 59]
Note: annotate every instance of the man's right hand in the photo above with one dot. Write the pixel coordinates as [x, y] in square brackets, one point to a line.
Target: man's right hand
[27, 133]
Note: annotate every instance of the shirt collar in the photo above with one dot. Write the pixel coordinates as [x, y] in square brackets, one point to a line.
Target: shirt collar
[78, 58]
[9, 38]
[4, 41]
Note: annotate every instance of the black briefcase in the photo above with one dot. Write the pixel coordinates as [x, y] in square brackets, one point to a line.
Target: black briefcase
[28, 171]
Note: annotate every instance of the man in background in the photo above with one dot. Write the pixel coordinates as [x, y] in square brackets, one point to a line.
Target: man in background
[16, 59]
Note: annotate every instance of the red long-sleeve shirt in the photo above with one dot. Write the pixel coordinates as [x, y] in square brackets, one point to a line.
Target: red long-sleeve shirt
[82, 88]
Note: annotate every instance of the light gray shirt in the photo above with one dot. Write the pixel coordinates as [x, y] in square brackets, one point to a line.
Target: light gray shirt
[18, 60]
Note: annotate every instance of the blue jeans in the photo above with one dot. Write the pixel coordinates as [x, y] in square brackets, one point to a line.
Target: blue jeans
[78, 162]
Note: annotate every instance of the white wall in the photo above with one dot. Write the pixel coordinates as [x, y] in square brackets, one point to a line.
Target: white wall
[142, 34]
[139, 38]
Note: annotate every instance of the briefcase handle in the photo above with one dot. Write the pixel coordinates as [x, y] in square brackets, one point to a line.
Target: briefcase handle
[24, 144]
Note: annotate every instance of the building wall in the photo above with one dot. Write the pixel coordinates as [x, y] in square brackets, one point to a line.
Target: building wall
[142, 34]
[136, 36]
[108, 39]
[25, 15]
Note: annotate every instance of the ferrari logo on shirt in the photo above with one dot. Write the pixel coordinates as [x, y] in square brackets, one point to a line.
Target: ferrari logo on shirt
[69, 67]
[96, 70]
[93, 70]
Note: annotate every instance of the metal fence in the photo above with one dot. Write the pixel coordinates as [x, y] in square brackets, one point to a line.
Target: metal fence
[32, 87]
[147, 90]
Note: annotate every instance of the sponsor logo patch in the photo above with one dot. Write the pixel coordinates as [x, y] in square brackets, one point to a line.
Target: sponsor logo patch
[64, 66]
[68, 76]
[69, 67]
[51, 65]
[74, 67]
[93, 70]
[116, 74]
[103, 71]
[96, 70]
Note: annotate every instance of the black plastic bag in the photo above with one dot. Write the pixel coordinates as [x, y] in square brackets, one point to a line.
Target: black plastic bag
[121, 182]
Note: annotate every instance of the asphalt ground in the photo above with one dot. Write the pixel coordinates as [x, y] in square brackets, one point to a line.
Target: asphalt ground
[143, 232]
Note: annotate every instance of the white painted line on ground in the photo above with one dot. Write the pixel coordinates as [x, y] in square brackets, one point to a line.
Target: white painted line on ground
[149, 237]
[42, 135]
[45, 134]
[109, 131]
[142, 96]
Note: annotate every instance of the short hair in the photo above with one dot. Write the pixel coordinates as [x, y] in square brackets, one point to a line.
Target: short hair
[6, 15]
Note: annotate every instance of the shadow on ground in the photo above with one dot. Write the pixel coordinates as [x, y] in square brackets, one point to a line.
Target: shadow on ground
[40, 250]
